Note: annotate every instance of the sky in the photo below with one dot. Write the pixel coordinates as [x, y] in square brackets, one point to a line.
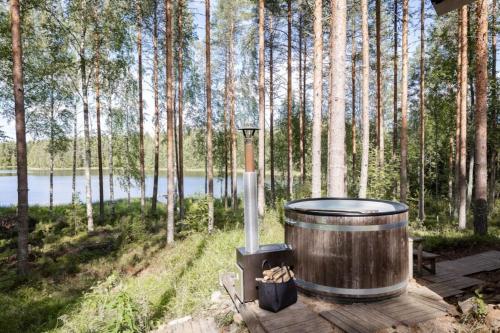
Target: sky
[197, 7]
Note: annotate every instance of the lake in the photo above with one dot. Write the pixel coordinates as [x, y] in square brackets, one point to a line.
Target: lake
[38, 183]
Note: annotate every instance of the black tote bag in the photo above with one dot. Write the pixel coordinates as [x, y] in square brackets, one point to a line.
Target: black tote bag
[275, 296]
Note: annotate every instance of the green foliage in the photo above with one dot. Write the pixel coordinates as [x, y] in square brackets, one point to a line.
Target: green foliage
[196, 218]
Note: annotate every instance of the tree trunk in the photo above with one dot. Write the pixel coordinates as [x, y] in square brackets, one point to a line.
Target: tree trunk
[232, 121]
[317, 100]
[170, 121]
[395, 84]
[141, 111]
[208, 82]
[97, 94]
[462, 180]
[86, 129]
[470, 180]
[73, 169]
[404, 109]
[22, 162]
[421, 192]
[365, 122]
[380, 116]
[304, 113]
[481, 114]
[51, 150]
[262, 113]
[301, 102]
[127, 152]
[226, 137]
[110, 159]
[154, 199]
[271, 110]
[457, 120]
[353, 101]
[180, 98]
[289, 105]
[493, 164]
[337, 97]
[450, 179]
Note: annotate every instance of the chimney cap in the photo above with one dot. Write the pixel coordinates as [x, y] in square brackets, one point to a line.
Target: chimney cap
[248, 130]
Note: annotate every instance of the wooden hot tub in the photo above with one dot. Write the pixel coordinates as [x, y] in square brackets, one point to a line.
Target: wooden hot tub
[348, 249]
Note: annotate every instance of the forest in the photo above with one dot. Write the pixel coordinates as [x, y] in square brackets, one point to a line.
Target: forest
[120, 120]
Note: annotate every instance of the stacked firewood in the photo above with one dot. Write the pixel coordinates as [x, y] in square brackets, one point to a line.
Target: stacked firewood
[276, 275]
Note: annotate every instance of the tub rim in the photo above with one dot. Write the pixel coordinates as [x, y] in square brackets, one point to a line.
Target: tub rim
[399, 207]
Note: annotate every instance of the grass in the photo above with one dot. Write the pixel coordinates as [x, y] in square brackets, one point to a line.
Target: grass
[125, 278]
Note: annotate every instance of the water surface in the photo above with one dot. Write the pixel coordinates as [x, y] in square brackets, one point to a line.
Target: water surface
[38, 184]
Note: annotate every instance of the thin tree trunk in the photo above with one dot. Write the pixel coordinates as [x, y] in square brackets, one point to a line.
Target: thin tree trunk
[301, 102]
[232, 120]
[180, 98]
[86, 129]
[289, 104]
[208, 82]
[141, 109]
[304, 113]
[51, 152]
[457, 119]
[365, 124]
[462, 181]
[380, 116]
[226, 137]
[450, 179]
[481, 115]
[470, 180]
[337, 96]
[97, 93]
[170, 121]
[262, 114]
[421, 192]
[317, 100]
[353, 100]
[110, 159]
[73, 169]
[404, 109]
[127, 152]
[154, 199]
[493, 164]
[22, 162]
[395, 84]
[271, 110]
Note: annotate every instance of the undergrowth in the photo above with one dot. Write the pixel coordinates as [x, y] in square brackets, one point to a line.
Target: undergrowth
[121, 278]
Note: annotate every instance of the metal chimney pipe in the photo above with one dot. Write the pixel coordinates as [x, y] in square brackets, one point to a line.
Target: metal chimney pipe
[250, 188]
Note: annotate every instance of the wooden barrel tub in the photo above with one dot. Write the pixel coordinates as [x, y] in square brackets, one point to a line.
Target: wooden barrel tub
[348, 249]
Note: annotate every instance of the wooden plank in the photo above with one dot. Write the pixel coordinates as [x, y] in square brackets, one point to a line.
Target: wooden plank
[250, 318]
[374, 318]
[316, 325]
[360, 319]
[342, 322]
[375, 314]
[287, 319]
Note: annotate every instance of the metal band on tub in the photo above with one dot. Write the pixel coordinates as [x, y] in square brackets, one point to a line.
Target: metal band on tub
[345, 228]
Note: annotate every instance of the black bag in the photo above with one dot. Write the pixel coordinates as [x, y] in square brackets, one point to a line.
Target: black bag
[275, 296]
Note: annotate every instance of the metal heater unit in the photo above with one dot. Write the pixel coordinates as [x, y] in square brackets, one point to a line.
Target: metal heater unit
[249, 258]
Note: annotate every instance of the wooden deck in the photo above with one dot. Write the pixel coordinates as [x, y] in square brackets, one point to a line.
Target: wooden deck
[313, 315]
[451, 275]
[421, 303]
